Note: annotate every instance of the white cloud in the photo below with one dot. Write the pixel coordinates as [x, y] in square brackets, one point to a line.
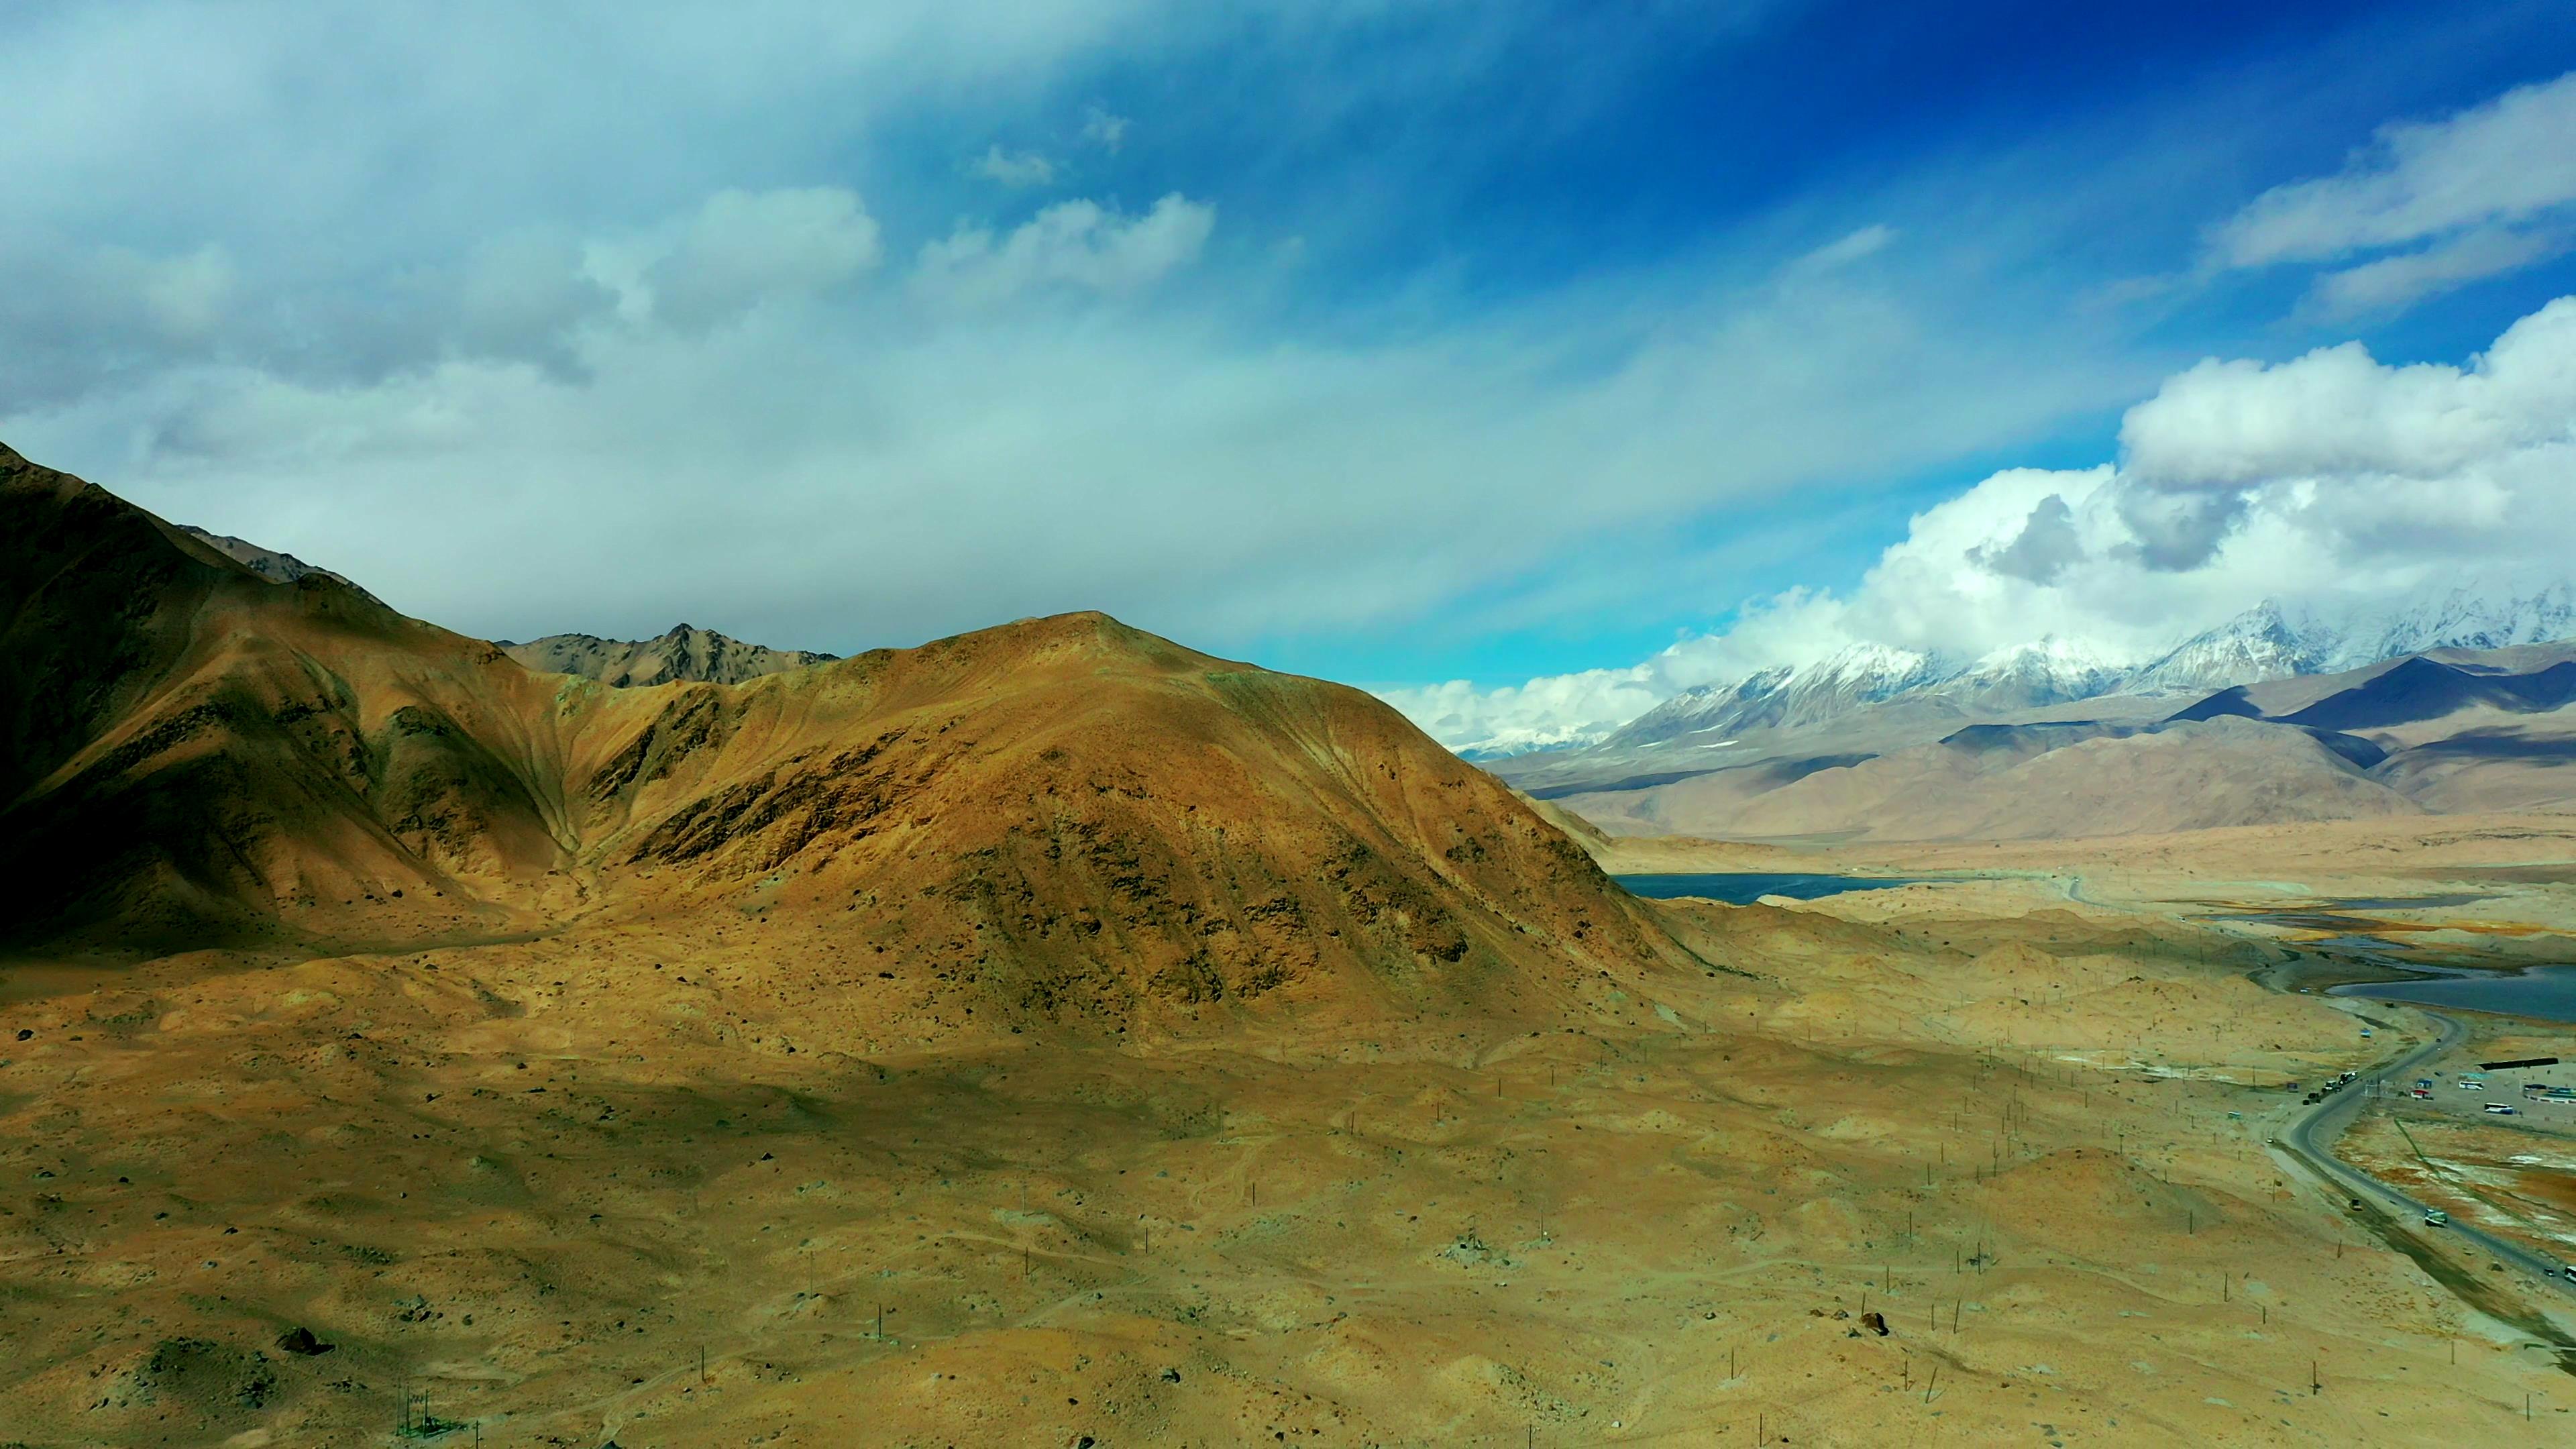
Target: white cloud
[1104, 130]
[843, 469]
[1868, 241]
[2336, 412]
[1080, 243]
[2394, 283]
[1558, 709]
[742, 247]
[1013, 168]
[2500, 162]
[2330, 475]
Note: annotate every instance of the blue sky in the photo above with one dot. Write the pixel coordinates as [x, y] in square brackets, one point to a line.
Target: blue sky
[1407, 343]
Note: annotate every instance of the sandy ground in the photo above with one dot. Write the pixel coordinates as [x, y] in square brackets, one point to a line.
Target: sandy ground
[634, 1186]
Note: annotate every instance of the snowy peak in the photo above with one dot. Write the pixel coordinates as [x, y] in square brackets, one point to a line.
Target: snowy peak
[2460, 618]
[1856, 675]
[1784, 698]
[1702, 709]
[2277, 640]
[2265, 642]
[2046, 671]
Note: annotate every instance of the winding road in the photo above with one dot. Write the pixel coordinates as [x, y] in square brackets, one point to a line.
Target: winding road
[2310, 1138]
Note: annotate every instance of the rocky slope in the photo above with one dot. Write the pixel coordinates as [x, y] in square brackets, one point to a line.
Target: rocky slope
[268, 563]
[686, 654]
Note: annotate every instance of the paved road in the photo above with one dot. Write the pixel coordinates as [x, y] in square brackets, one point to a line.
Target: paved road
[2310, 1138]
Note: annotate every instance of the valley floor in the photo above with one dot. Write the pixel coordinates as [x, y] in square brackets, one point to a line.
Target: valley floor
[655, 1186]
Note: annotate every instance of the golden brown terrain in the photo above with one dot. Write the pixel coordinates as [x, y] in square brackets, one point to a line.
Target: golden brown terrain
[1055, 1036]
[535, 1182]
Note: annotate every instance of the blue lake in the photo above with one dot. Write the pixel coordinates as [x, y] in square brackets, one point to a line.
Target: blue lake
[1745, 888]
[2545, 993]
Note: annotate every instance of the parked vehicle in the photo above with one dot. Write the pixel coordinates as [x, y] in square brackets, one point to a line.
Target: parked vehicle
[2499, 1109]
[2436, 1218]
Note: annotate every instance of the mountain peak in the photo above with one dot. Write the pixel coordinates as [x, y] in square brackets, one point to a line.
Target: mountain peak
[268, 563]
[685, 654]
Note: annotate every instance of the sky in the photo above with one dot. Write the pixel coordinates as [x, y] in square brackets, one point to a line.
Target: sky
[1524, 362]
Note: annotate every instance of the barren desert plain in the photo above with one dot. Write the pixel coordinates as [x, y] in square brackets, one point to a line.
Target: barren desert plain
[665, 1187]
[1057, 1037]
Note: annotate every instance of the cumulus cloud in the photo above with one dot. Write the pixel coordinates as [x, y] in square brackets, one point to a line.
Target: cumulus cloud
[2046, 546]
[742, 247]
[1559, 709]
[1013, 168]
[2331, 475]
[1080, 243]
[2337, 412]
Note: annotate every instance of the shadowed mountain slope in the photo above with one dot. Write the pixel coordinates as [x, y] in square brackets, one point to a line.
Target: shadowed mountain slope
[196, 753]
[2421, 689]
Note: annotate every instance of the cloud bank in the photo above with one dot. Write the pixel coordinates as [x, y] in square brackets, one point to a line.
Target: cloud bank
[2329, 476]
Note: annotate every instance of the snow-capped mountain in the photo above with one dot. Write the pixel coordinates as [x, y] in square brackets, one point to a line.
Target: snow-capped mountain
[2273, 640]
[2276, 640]
[1784, 698]
[2459, 619]
[2026, 676]
[2268, 641]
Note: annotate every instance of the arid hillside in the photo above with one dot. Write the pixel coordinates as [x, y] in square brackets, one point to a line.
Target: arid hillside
[1056, 819]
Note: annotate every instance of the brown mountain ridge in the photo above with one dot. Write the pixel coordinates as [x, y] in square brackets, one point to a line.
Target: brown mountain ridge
[1061, 818]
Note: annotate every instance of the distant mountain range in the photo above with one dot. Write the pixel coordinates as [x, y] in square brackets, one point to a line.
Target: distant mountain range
[2454, 731]
[2275, 639]
[268, 563]
[685, 654]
